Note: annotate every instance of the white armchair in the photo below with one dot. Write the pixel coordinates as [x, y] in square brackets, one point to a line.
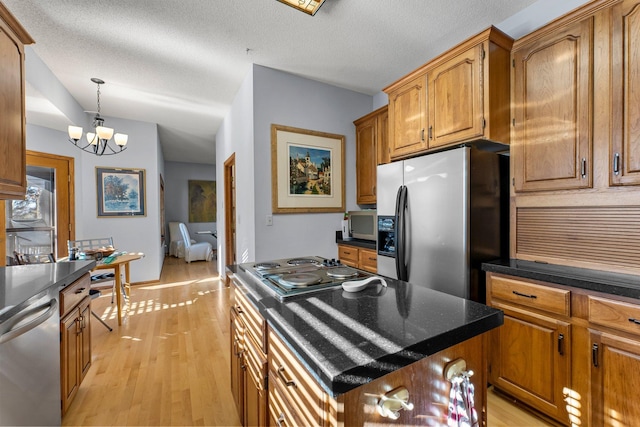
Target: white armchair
[195, 251]
[176, 245]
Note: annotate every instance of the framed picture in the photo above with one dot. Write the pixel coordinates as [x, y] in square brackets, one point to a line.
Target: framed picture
[202, 201]
[307, 171]
[121, 192]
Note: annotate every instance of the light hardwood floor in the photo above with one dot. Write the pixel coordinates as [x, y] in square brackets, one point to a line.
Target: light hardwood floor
[168, 364]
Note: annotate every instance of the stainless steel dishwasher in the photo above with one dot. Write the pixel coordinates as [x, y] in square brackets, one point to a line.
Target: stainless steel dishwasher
[30, 361]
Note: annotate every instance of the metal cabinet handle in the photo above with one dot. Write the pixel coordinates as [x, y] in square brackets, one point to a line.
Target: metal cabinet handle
[288, 382]
[616, 163]
[636, 321]
[280, 420]
[524, 295]
[594, 355]
[561, 344]
[422, 134]
[583, 168]
[431, 132]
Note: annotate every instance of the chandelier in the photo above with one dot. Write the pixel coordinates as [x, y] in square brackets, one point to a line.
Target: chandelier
[307, 6]
[98, 141]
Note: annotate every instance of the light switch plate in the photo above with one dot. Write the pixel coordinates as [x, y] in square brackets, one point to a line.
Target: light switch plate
[269, 220]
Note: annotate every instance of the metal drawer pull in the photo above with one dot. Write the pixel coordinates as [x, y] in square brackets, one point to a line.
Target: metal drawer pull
[288, 382]
[561, 344]
[280, 420]
[636, 321]
[524, 295]
[392, 402]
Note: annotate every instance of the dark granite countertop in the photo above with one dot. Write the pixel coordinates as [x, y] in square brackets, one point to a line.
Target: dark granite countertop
[19, 283]
[349, 339]
[626, 285]
[369, 244]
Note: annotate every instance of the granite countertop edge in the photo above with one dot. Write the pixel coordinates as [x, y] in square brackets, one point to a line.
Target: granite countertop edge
[619, 284]
[340, 382]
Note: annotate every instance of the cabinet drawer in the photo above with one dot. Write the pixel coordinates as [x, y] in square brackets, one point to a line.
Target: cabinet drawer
[256, 363]
[74, 293]
[299, 389]
[348, 255]
[368, 260]
[545, 298]
[280, 413]
[250, 316]
[615, 314]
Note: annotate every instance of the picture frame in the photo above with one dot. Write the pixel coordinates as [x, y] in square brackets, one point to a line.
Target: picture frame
[202, 201]
[307, 171]
[120, 192]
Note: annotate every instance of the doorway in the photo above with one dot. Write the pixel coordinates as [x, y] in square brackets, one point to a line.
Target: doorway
[230, 210]
[42, 222]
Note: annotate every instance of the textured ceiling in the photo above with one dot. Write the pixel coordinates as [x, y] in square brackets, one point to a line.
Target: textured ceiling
[179, 63]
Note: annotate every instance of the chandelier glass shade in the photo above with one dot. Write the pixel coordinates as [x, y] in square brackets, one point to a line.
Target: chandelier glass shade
[98, 142]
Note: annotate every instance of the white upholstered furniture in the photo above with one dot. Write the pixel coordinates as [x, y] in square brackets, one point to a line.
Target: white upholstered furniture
[176, 244]
[195, 251]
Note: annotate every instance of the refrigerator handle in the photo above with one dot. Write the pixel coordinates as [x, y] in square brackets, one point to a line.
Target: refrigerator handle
[401, 204]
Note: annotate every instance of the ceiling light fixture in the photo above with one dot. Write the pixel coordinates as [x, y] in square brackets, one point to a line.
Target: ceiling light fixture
[306, 6]
[98, 141]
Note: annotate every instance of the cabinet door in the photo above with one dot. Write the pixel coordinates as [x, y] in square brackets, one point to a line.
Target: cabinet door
[368, 260]
[625, 153]
[237, 363]
[383, 138]
[407, 118]
[255, 388]
[455, 99]
[615, 375]
[13, 174]
[552, 109]
[366, 161]
[84, 345]
[69, 356]
[532, 360]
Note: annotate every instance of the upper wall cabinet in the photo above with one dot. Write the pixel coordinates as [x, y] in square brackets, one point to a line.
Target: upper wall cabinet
[371, 150]
[462, 95]
[625, 153]
[552, 138]
[408, 117]
[13, 174]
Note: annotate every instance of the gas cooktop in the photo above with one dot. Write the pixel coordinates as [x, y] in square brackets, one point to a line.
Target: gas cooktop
[295, 276]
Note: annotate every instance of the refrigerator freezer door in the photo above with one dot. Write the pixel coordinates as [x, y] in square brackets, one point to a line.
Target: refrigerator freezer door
[389, 179]
[437, 221]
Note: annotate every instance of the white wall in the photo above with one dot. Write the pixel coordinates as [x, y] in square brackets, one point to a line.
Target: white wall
[269, 96]
[139, 234]
[236, 136]
[176, 186]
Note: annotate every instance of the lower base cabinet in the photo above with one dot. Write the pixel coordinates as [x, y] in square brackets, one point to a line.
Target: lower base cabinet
[362, 258]
[75, 338]
[569, 353]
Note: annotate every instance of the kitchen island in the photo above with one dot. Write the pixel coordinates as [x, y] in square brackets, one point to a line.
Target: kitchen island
[359, 350]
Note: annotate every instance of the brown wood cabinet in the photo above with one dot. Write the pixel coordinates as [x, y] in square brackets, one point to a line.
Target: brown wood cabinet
[625, 63]
[462, 95]
[248, 360]
[357, 257]
[75, 338]
[13, 167]
[553, 109]
[408, 117]
[371, 150]
[570, 353]
[531, 355]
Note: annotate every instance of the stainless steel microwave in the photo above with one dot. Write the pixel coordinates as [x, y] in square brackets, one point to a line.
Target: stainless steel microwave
[363, 224]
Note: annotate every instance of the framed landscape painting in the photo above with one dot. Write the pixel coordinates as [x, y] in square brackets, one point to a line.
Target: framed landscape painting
[121, 192]
[307, 171]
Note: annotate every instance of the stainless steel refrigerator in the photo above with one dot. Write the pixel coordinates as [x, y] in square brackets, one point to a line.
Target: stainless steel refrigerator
[441, 215]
